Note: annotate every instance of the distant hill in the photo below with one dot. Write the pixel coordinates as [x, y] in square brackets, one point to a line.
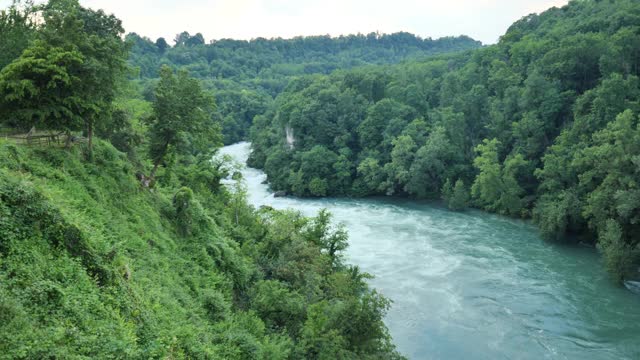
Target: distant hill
[269, 58]
[246, 75]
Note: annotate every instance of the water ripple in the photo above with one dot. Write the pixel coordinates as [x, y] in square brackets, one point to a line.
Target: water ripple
[477, 286]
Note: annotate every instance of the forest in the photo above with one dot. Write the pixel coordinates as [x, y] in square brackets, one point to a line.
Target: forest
[542, 125]
[117, 237]
[246, 75]
[124, 234]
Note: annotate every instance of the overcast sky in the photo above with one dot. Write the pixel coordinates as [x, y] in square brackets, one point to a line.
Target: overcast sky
[484, 20]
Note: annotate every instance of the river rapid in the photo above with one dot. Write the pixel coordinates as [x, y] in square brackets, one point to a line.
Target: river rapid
[474, 285]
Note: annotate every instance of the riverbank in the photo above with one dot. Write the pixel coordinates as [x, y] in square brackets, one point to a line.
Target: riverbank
[476, 285]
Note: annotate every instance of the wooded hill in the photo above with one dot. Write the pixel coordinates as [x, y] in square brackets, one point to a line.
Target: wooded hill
[127, 245]
[246, 75]
[543, 124]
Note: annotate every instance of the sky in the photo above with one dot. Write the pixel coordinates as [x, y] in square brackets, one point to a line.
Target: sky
[484, 20]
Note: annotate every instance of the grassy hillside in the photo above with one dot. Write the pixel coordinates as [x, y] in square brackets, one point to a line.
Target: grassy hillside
[93, 265]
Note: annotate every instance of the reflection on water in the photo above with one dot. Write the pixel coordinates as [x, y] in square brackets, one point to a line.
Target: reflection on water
[473, 285]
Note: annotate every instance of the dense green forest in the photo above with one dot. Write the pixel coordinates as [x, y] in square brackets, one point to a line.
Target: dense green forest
[542, 125]
[117, 239]
[246, 75]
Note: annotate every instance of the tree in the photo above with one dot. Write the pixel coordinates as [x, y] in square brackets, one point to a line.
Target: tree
[397, 171]
[371, 175]
[278, 306]
[184, 207]
[332, 241]
[371, 130]
[196, 39]
[316, 172]
[456, 197]
[70, 72]
[433, 163]
[511, 201]
[488, 184]
[496, 187]
[17, 28]
[40, 89]
[529, 135]
[98, 37]
[181, 109]
[620, 258]
[185, 39]
[182, 38]
[318, 187]
[344, 170]
[162, 45]
[609, 178]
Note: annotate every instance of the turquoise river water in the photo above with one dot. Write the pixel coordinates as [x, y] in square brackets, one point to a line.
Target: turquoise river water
[473, 285]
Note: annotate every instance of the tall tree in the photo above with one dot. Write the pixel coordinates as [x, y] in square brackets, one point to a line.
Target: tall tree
[181, 110]
[70, 72]
[162, 45]
[98, 37]
[40, 89]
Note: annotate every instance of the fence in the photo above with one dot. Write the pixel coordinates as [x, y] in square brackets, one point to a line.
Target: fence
[35, 137]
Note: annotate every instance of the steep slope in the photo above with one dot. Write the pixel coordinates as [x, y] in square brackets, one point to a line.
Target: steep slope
[92, 265]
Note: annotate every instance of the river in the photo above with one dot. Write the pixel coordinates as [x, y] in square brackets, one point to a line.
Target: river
[473, 285]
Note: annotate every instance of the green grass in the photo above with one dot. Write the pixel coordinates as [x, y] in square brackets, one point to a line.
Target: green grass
[89, 266]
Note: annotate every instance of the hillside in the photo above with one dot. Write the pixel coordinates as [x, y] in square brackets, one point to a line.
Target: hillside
[543, 125]
[117, 238]
[92, 265]
[246, 75]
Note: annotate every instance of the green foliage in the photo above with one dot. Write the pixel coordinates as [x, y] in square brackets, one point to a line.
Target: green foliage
[67, 76]
[370, 177]
[318, 187]
[98, 260]
[331, 241]
[280, 307]
[619, 257]
[181, 118]
[433, 162]
[246, 75]
[97, 36]
[17, 29]
[333, 329]
[455, 196]
[532, 124]
[39, 89]
[216, 306]
[185, 212]
[158, 274]
[94, 265]
[603, 193]
[496, 187]
[397, 171]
